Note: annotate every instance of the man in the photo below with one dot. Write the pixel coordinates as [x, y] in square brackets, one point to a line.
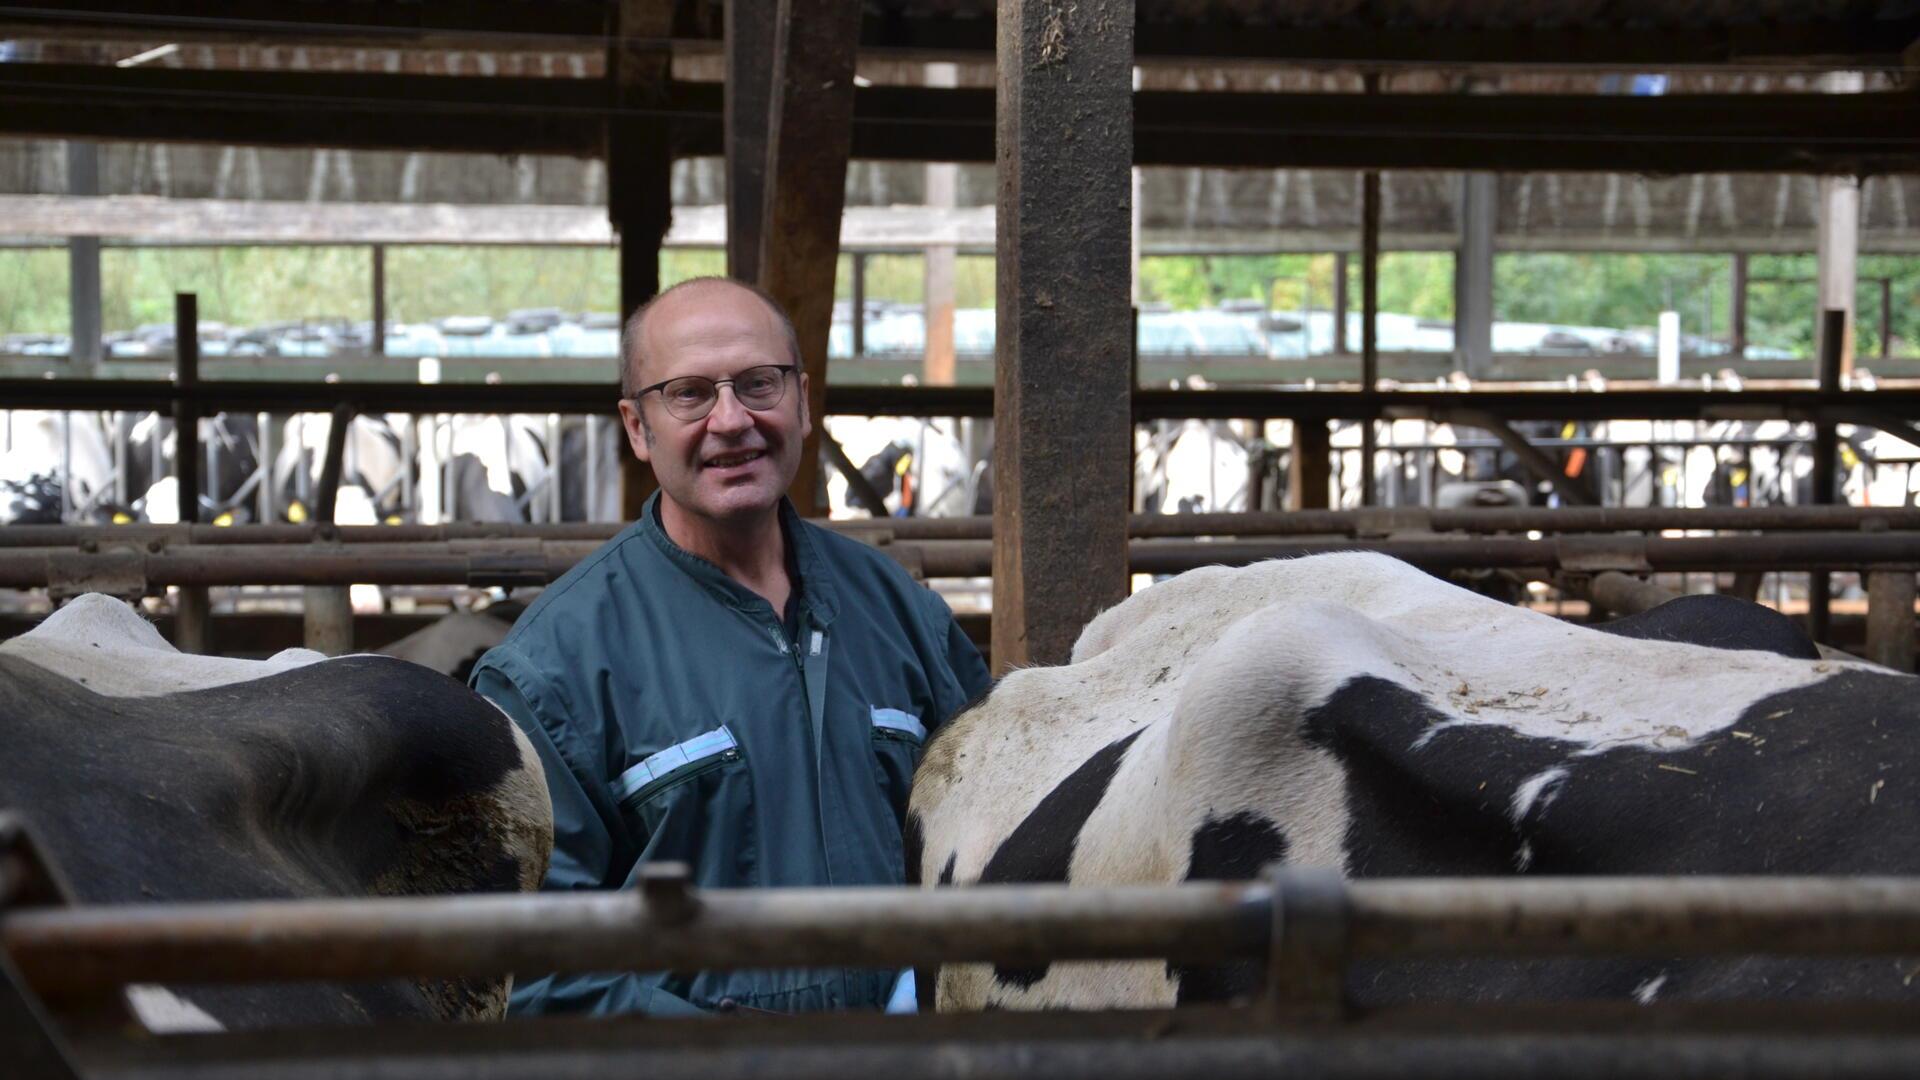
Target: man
[723, 684]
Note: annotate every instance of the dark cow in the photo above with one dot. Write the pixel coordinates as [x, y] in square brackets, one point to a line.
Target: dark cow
[1349, 711]
[151, 775]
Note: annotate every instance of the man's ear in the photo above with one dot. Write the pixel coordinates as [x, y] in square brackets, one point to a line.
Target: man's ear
[806, 422]
[637, 435]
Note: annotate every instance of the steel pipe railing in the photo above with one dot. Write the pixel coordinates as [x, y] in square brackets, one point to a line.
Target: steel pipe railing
[1374, 522]
[665, 925]
[531, 562]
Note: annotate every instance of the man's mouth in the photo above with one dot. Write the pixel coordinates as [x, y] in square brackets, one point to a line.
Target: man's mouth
[734, 461]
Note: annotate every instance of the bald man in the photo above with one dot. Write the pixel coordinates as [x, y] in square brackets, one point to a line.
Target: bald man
[724, 684]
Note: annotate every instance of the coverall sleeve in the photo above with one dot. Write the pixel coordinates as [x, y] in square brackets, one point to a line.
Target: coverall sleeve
[969, 670]
[588, 842]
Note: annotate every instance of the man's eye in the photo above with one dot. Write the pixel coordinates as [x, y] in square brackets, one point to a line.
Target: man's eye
[687, 395]
[757, 384]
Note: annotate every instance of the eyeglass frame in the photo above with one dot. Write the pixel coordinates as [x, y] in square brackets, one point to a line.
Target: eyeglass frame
[784, 370]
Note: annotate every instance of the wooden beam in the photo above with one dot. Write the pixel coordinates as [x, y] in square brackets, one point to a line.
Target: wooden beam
[1369, 323]
[639, 177]
[1832, 343]
[507, 25]
[809, 132]
[1063, 438]
[1850, 134]
[750, 30]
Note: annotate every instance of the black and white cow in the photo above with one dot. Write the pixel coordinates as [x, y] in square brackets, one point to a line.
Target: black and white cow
[1349, 711]
[152, 775]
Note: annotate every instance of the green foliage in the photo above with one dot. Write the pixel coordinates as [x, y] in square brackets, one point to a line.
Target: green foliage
[246, 286]
[33, 290]
[433, 282]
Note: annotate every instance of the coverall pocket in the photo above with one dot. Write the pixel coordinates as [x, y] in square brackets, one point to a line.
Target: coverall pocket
[693, 803]
[898, 738]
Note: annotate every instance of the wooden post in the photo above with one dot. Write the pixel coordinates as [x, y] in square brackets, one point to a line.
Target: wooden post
[857, 318]
[749, 98]
[639, 175]
[809, 136]
[1308, 472]
[1062, 397]
[1890, 625]
[1826, 454]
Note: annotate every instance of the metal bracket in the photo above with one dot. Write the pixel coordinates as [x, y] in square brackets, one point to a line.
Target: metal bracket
[1307, 961]
[1602, 551]
[120, 571]
[666, 887]
[35, 1048]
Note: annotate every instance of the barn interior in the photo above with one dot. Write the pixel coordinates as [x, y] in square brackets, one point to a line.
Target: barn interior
[309, 315]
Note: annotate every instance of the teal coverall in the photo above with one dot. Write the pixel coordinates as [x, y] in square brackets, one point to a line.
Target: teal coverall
[680, 718]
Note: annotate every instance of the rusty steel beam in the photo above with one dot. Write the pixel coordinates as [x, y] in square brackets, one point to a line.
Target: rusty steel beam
[132, 569]
[1062, 373]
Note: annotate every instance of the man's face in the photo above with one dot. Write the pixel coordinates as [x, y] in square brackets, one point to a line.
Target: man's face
[734, 462]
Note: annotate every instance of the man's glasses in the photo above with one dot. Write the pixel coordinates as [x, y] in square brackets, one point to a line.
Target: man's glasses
[691, 397]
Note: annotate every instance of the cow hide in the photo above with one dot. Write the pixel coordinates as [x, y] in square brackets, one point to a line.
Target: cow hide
[152, 775]
[1349, 711]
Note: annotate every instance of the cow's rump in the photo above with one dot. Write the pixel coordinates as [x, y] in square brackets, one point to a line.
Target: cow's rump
[156, 776]
[1350, 711]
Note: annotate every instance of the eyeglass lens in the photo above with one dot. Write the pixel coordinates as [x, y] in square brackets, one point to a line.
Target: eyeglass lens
[691, 397]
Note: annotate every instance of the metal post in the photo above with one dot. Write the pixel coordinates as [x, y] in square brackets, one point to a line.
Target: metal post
[1339, 299]
[186, 416]
[83, 268]
[1062, 417]
[378, 341]
[327, 614]
[859, 312]
[1826, 464]
[1890, 620]
[269, 508]
[1737, 317]
[1369, 315]
[1473, 304]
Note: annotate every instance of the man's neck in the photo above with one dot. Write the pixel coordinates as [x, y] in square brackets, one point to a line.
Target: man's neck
[753, 553]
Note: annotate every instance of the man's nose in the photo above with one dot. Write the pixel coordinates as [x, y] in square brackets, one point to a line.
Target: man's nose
[728, 415]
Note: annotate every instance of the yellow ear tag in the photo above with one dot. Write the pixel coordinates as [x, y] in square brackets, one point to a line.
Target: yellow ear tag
[297, 513]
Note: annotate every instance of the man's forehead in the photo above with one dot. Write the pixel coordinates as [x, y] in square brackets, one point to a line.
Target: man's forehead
[717, 313]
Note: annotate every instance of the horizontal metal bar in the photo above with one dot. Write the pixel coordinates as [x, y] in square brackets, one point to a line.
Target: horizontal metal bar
[1163, 1052]
[74, 950]
[530, 562]
[1377, 522]
[977, 401]
[1644, 916]
[71, 950]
